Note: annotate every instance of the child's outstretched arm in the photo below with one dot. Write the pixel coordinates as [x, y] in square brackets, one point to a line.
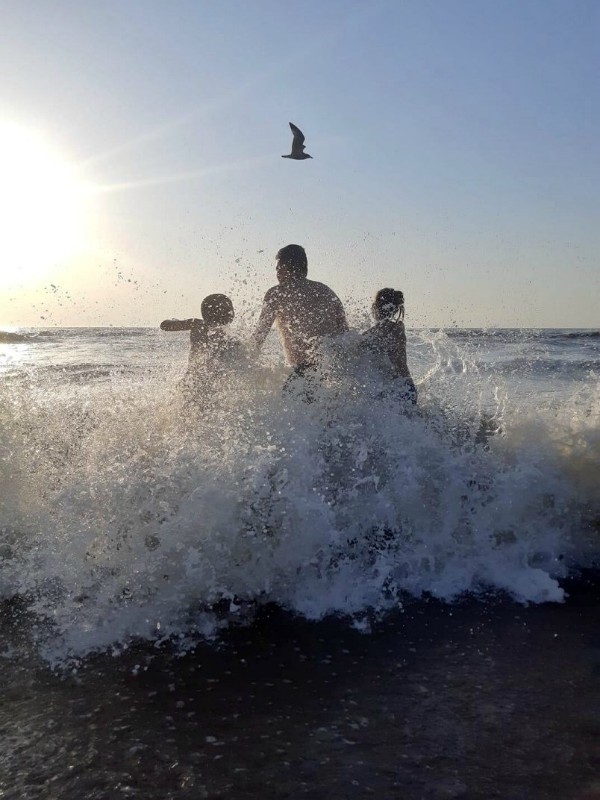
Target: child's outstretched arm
[179, 324]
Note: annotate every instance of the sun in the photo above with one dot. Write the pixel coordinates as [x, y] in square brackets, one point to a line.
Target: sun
[42, 206]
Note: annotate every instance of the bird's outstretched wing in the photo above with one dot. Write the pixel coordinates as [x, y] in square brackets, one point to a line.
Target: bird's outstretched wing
[298, 142]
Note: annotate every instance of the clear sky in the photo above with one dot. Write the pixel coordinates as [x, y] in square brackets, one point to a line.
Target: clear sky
[456, 150]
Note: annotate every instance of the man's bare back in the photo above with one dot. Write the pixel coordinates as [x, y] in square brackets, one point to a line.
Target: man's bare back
[303, 310]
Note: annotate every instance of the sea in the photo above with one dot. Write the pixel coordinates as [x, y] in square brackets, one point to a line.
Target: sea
[250, 595]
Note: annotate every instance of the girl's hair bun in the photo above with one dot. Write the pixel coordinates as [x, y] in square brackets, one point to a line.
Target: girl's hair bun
[388, 302]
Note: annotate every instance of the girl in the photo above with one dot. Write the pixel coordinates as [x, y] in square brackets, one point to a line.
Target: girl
[386, 341]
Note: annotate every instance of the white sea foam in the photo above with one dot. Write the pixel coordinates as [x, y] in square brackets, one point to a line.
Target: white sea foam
[125, 518]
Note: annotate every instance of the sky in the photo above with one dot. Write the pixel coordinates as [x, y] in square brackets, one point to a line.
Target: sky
[455, 144]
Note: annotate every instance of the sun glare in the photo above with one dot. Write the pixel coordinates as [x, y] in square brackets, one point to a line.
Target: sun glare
[41, 206]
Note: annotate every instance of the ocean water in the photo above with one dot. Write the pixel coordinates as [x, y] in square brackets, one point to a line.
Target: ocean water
[125, 517]
[263, 598]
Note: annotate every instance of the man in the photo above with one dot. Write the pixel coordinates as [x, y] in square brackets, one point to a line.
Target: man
[305, 311]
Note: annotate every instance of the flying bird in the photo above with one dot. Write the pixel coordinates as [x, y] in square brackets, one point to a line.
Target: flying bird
[297, 145]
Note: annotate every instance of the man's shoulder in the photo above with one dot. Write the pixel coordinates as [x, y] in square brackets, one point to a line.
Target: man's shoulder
[272, 294]
[298, 291]
[320, 284]
[322, 288]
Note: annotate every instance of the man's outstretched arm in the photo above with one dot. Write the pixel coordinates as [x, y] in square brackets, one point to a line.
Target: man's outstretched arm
[263, 326]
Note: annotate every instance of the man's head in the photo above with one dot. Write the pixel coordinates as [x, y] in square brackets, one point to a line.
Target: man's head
[217, 309]
[291, 263]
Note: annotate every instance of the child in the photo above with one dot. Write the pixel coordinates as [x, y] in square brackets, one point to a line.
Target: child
[386, 340]
[213, 351]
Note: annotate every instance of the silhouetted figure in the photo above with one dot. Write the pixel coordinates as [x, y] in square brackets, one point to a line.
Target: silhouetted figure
[297, 153]
[213, 351]
[386, 341]
[305, 311]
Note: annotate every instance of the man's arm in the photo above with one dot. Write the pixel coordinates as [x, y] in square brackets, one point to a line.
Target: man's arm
[178, 324]
[265, 321]
[341, 322]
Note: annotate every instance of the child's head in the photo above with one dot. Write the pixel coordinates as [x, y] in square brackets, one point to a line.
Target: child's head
[217, 309]
[388, 303]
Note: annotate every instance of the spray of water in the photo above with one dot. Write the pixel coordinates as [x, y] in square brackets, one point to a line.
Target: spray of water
[128, 514]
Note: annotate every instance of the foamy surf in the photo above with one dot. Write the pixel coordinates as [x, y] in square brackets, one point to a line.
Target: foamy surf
[126, 518]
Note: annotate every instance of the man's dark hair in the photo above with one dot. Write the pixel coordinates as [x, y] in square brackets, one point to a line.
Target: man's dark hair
[293, 257]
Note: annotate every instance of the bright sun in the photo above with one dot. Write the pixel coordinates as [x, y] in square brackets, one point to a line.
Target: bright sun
[41, 206]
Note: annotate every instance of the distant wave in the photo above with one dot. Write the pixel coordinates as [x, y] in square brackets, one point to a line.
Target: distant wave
[82, 373]
[109, 332]
[497, 335]
[8, 337]
[65, 334]
[544, 366]
[518, 334]
[473, 333]
[579, 335]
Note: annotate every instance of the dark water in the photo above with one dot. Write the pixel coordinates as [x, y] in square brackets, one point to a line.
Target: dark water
[479, 699]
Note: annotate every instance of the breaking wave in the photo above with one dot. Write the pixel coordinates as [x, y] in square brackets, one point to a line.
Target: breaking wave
[128, 515]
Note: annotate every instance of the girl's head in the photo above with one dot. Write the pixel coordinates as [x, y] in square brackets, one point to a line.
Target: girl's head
[388, 303]
[217, 309]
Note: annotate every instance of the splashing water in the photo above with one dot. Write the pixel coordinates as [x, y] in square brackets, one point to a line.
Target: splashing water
[127, 516]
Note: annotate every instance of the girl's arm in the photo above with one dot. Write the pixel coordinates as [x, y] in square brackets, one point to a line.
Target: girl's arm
[397, 352]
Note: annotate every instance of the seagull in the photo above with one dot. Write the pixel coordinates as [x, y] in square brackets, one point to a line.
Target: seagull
[297, 145]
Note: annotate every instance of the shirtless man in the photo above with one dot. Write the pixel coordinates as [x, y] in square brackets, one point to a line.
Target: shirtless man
[305, 311]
